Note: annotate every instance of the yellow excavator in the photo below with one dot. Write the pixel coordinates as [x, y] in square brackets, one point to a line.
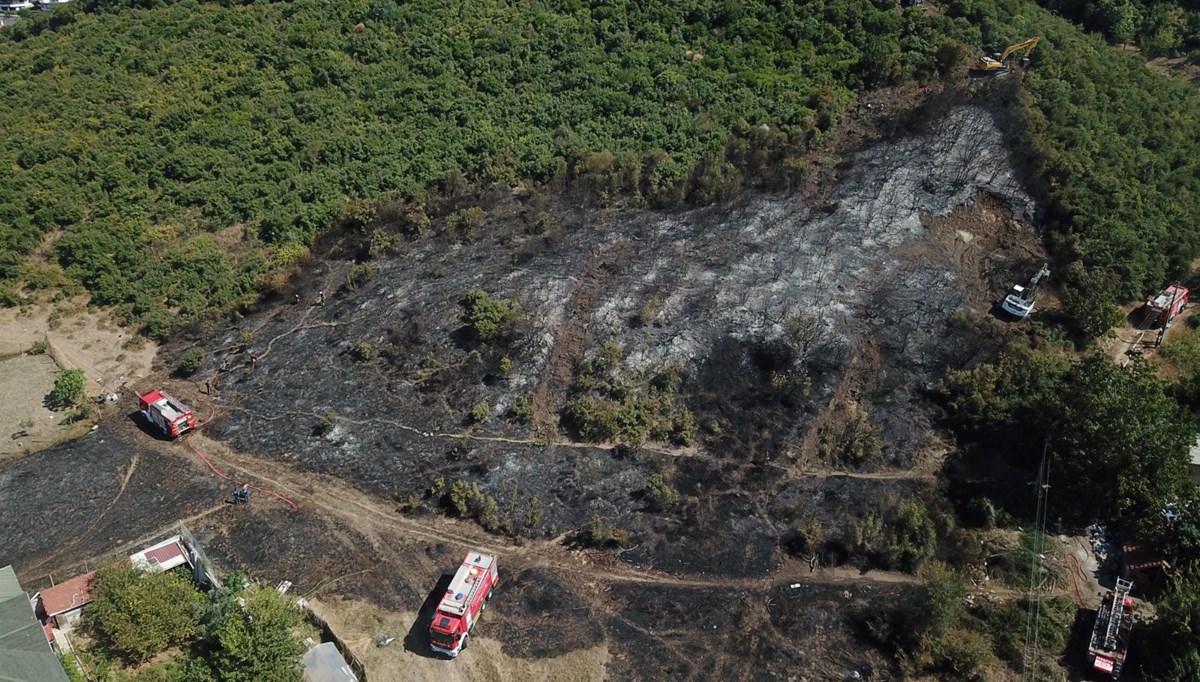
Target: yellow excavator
[998, 63]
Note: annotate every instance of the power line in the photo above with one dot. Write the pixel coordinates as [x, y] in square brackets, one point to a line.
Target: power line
[1034, 615]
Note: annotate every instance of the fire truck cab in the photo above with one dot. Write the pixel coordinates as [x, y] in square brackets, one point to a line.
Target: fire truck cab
[167, 414]
[464, 600]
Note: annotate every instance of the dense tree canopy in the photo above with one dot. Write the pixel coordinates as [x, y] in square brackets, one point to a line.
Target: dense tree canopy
[139, 614]
[259, 642]
[176, 152]
[1159, 27]
[1118, 442]
[143, 130]
[1117, 147]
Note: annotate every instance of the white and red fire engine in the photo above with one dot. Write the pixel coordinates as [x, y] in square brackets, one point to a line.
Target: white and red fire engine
[1110, 634]
[464, 600]
[166, 413]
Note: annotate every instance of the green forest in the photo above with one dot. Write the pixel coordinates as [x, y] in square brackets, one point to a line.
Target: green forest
[183, 150]
[167, 157]
[1160, 28]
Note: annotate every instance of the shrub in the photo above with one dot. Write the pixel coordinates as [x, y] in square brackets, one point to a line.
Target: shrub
[490, 318]
[469, 502]
[359, 273]
[463, 223]
[659, 493]
[139, 614]
[903, 536]
[649, 312]
[481, 412]
[363, 351]
[328, 421]
[68, 389]
[191, 361]
[522, 409]
[601, 534]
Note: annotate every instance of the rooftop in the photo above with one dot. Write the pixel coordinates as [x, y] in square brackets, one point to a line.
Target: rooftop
[25, 654]
[69, 595]
[324, 663]
[160, 557]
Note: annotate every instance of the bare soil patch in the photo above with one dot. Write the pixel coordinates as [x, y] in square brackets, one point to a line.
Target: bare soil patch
[78, 337]
[70, 336]
[26, 423]
[360, 624]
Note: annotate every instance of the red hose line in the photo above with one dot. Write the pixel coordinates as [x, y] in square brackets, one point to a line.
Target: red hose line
[218, 472]
[212, 413]
[1074, 582]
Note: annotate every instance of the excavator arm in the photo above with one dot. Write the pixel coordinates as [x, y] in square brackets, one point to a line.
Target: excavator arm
[1026, 45]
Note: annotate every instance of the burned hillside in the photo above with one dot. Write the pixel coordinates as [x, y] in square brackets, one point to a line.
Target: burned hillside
[722, 356]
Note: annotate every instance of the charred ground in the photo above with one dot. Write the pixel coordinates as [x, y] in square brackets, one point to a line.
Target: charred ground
[800, 337]
[386, 385]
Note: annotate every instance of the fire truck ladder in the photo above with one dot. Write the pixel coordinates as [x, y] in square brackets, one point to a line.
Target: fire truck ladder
[1116, 613]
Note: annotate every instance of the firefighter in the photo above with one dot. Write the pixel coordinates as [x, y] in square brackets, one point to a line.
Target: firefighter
[245, 493]
[1162, 331]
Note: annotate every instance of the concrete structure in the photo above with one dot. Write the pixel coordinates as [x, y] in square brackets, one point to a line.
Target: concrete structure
[47, 5]
[62, 605]
[324, 663]
[8, 19]
[7, 5]
[25, 653]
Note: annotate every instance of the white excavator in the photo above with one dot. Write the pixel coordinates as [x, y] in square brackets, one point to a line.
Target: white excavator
[1019, 301]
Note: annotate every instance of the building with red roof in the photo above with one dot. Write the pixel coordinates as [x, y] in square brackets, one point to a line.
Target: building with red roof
[65, 601]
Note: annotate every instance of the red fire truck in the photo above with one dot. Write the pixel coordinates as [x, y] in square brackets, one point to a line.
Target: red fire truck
[464, 600]
[1166, 305]
[1110, 634]
[166, 413]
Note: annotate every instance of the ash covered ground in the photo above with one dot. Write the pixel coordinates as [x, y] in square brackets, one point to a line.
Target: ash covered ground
[874, 271]
[893, 275]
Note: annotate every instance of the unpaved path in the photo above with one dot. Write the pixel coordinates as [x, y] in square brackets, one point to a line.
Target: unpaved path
[925, 473]
[375, 520]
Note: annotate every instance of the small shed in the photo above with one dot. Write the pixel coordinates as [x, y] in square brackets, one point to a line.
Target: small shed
[64, 602]
[160, 557]
[324, 663]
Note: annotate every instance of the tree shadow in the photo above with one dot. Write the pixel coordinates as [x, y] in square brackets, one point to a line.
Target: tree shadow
[417, 639]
